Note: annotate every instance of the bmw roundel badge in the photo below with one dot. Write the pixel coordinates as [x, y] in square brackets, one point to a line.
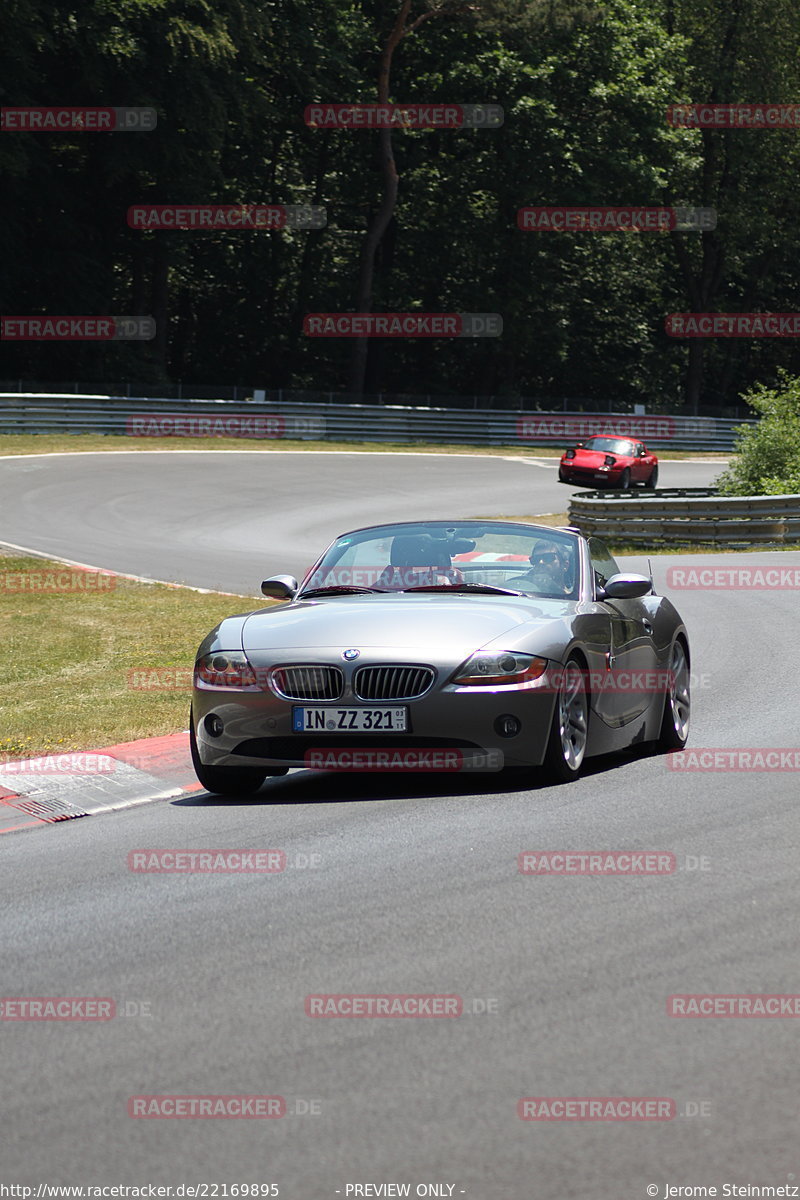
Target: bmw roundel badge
[350, 654]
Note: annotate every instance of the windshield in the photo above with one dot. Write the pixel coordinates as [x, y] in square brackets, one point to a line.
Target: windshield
[531, 560]
[610, 445]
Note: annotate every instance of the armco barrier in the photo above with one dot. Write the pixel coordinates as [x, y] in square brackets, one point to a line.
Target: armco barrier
[39, 413]
[676, 516]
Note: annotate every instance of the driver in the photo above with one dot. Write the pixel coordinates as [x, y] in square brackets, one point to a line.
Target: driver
[550, 569]
[419, 561]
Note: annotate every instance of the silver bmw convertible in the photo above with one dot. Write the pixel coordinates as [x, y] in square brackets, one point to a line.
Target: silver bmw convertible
[442, 646]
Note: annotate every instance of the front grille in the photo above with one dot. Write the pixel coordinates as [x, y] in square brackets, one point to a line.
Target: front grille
[392, 683]
[308, 682]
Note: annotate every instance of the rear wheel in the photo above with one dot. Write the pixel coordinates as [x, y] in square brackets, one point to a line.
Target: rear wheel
[226, 781]
[625, 480]
[566, 745]
[653, 480]
[677, 703]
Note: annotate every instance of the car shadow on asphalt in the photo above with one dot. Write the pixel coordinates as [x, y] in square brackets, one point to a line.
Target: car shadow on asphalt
[339, 787]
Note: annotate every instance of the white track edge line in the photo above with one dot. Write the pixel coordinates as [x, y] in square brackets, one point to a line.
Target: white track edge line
[70, 562]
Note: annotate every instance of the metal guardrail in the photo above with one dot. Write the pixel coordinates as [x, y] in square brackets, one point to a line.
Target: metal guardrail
[502, 401]
[147, 417]
[676, 516]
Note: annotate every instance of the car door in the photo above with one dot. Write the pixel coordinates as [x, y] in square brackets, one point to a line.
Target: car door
[648, 462]
[632, 658]
[639, 471]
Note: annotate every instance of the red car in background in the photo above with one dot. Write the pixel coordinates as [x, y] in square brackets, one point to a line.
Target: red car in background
[612, 462]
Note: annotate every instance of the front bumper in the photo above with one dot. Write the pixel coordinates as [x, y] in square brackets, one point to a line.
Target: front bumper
[257, 730]
[591, 478]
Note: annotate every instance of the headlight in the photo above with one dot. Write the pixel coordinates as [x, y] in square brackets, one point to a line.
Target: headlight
[610, 460]
[570, 454]
[506, 667]
[227, 671]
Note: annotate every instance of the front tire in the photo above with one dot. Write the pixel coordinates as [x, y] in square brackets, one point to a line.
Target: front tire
[224, 781]
[566, 745]
[625, 480]
[562, 478]
[652, 482]
[677, 702]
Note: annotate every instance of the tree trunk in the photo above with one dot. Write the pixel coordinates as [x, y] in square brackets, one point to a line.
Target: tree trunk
[377, 228]
[379, 223]
[160, 293]
[694, 374]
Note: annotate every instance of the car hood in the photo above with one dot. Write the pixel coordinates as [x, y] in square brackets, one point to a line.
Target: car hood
[430, 623]
[595, 458]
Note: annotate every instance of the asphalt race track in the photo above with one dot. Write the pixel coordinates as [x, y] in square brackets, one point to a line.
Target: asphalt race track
[227, 520]
[414, 888]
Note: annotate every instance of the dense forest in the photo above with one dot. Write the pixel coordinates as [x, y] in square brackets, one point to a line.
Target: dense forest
[416, 219]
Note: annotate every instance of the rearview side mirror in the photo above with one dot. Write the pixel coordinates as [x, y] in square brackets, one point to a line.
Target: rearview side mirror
[280, 587]
[625, 586]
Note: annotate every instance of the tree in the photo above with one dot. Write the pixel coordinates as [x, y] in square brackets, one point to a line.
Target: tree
[403, 27]
[745, 50]
[767, 461]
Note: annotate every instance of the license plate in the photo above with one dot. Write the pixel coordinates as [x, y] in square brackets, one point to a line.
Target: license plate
[359, 720]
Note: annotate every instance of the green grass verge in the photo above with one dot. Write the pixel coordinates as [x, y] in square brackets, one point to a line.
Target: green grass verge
[68, 656]
[49, 443]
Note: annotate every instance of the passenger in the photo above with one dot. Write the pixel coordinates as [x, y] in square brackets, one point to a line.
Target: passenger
[551, 570]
